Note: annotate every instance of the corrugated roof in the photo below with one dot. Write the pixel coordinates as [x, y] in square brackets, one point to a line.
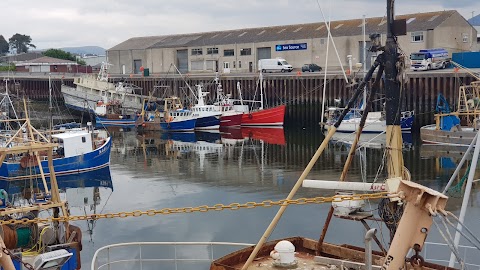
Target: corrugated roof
[421, 22]
[47, 60]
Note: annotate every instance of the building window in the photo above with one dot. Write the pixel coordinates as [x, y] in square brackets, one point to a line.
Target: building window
[417, 36]
[234, 64]
[239, 64]
[464, 37]
[84, 139]
[230, 52]
[247, 51]
[198, 51]
[137, 64]
[212, 50]
[323, 41]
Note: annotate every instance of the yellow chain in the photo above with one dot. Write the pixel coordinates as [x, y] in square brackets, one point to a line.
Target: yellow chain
[205, 208]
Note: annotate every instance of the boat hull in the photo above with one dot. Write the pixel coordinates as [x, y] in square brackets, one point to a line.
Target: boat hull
[91, 161]
[124, 122]
[234, 120]
[208, 122]
[372, 126]
[145, 126]
[266, 117]
[78, 103]
[89, 91]
[183, 125]
[429, 134]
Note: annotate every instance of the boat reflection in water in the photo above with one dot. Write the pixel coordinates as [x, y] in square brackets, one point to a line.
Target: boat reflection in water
[270, 135]
[82, 191]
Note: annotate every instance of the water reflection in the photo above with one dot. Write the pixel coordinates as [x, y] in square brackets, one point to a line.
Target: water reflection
[83, 191]
[159, 170]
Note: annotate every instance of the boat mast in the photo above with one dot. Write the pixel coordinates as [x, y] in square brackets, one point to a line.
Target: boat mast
[50, 102]
[392, 94]
[261, 90]
[364, 62]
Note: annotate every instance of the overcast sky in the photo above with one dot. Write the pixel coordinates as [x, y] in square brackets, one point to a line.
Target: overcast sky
[105, 23]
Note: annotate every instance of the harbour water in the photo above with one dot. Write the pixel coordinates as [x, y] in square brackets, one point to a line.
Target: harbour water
[157, 171]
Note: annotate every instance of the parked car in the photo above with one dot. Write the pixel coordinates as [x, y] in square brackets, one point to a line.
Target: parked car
[311, 67]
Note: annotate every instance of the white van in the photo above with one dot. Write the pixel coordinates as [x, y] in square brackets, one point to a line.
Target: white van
[273, 65]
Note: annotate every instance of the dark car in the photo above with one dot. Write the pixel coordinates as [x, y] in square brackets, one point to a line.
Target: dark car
[311, 67]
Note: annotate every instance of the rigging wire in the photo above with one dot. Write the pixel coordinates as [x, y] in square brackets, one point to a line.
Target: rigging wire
[450, 244]
[460, 231]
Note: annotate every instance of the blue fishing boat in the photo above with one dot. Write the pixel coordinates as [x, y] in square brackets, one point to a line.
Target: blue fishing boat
[180, 120]
[175, 117]
[208, 116]
[77, 152]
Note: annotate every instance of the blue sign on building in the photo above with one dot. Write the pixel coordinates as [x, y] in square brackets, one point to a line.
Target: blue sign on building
[291, 47]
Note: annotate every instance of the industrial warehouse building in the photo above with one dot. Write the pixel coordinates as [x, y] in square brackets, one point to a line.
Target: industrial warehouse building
[238, 51]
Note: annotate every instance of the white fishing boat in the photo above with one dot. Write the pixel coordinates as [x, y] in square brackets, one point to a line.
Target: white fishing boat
[207, 116]
[90, 89]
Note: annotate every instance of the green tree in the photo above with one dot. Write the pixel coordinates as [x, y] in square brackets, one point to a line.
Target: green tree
[21, 43]
[81, 62]
[61, 54]
[4, 47]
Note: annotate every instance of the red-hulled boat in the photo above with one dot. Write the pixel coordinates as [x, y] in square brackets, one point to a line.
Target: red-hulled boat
[262, 117]
[266, 117]
[232, 120]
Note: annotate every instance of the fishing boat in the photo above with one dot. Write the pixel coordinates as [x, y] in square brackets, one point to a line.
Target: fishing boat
[33, 240]
[79, 150]
[175, 117]
[207, 116]
[90, 89]
[370, 140]
[224, 103]
[375, 122]
[458, 127]
[409, 209]
[262, 116]
[150, 116]
[111, 113]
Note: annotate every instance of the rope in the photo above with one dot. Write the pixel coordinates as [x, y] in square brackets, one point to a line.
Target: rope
[390, 214]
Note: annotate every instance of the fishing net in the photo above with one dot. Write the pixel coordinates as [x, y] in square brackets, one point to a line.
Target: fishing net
[456, 191]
